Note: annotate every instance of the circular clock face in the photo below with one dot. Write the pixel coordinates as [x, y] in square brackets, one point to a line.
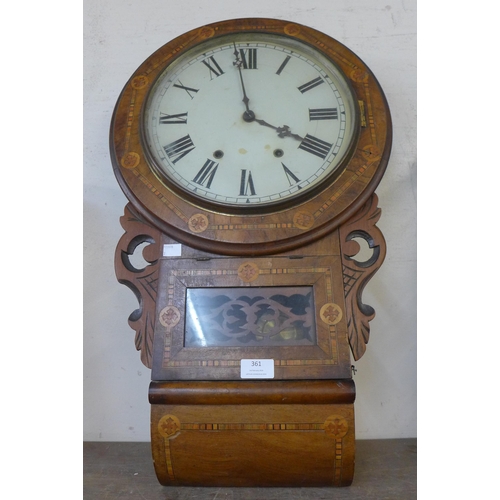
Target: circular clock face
[250, 136]
[249, 120]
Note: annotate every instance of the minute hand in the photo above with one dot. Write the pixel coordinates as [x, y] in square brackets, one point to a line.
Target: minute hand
[248, 115]
[283, 131]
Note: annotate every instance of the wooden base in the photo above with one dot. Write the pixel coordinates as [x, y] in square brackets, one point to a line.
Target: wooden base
[258, 433]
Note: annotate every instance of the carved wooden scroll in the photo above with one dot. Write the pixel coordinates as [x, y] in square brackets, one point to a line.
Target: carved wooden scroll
[358, 273]
[143, 282]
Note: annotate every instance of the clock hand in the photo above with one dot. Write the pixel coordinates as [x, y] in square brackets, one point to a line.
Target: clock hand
[248, 115]
[282, 131]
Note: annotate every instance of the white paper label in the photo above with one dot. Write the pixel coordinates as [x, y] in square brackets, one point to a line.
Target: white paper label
[257, 368]
[172, 250]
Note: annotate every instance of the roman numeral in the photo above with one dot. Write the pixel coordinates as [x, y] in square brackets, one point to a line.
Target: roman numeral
[310, 85]
[246, 184]
[283, 64]
[179, 118]
[324, 114]
[187, 89]
[315, 146]
[251, 61]
[206, 174]
[290, 176]
[215, 69]
[179, 149]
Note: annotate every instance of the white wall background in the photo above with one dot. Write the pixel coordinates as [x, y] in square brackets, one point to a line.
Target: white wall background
[118, 36]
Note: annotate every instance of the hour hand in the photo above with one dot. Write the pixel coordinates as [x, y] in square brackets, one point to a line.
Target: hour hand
[283, 131]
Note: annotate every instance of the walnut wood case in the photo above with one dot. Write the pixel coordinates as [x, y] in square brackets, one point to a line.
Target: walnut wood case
[284, 285]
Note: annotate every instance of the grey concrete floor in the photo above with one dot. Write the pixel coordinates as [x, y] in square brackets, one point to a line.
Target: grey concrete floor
[385, 470]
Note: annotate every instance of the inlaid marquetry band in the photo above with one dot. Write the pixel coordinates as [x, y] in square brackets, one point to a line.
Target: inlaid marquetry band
[169, 425]
[206, 32]
[335, 426]
[292, 29]
[330, 313]
[371, 152]
[169, 316]
[139, 82]
[130, 160]
[359, 75]
[303, 219]
[198, 223]
[248, 272]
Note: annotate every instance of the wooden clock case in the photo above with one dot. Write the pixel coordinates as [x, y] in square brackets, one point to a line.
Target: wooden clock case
[208, 425]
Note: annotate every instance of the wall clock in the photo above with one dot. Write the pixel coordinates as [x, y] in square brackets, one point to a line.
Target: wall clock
[249, 151]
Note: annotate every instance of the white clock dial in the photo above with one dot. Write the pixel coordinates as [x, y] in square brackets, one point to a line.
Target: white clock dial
[249, 119]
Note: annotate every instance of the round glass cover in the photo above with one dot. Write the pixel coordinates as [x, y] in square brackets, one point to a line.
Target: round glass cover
[249, 120]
